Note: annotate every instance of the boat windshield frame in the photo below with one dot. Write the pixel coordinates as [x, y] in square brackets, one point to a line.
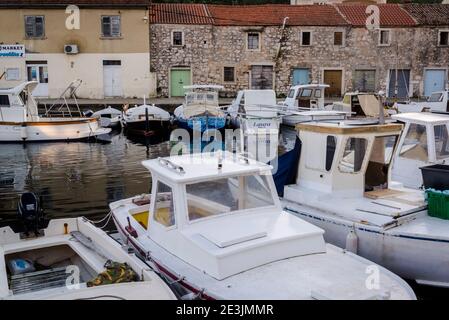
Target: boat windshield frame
[269, 183]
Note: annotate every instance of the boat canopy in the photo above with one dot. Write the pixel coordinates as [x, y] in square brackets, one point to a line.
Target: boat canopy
[28, 86]
[204, 86]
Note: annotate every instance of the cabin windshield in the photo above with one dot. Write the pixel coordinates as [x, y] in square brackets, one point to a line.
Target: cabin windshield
[441, 142]
[415, 143]
[353, 156]
[228, 195]
[4, 100]
[291, 93]
[376, 175]
[436, 97]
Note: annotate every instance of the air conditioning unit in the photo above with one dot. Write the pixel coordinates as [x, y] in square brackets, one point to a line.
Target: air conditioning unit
[70, 49]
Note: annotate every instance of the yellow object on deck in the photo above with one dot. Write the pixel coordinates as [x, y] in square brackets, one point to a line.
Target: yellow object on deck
[142, 218]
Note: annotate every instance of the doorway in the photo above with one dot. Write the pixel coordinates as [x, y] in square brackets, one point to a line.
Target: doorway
[38, 71]
[434, 80]
[333, 79]
[261, 77]
[300, 76]
[178, 79]
[112, 78]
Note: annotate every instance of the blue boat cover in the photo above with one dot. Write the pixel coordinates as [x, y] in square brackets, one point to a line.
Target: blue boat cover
[287, 168]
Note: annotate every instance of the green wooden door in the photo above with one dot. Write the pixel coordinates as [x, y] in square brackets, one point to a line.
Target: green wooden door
[178, 79]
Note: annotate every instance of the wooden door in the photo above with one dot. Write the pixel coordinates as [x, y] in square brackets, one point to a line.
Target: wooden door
[333, 79]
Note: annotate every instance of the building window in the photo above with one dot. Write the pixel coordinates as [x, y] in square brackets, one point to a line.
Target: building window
[338, 38]
[110, 26]
[12, 74]
[177, 38]
[305, 38]
[443, 38]
[228, 74]
[253, 41]
[34, 26]
[384, 37]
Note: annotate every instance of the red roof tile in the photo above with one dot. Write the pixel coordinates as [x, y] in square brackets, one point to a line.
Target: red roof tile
[429, 14]
[274, 14]
[391, 15]
[178, 13]
[59, 3]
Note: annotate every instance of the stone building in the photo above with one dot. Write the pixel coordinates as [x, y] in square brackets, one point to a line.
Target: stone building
[275, 46]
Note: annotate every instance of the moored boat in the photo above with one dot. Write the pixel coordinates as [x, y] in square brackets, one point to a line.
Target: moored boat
[214, 226]
[109, 117]
[200, 110]
[20, 121]
[73, 260]
[344, 186]
[147, 120]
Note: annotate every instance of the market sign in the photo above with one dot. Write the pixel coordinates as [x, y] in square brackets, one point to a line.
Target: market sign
[12, 50]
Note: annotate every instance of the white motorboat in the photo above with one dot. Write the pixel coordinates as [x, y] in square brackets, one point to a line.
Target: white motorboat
[213, 225]
[438, 102]
[147, 120]
[343, 186]
[424, 142]
[20, 121]
[109, 117]
[201, 110]
[359, 104]
[66, 260]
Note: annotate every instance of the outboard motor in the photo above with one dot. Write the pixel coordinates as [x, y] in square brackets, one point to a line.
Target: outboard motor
[30, 212]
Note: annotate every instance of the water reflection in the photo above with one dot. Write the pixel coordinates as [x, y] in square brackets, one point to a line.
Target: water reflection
[75, 178]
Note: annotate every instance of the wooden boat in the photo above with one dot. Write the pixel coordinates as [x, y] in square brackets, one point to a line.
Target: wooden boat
[109, 117]
[200, 110]
[344, 186]
[19, 120]
[213, 225]
[147, 120]
[68, 255]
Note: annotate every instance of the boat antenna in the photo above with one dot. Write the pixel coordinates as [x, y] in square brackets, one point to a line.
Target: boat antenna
[144, 100]
[381, 107]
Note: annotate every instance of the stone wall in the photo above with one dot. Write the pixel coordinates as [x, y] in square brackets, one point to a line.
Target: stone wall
[209, 48]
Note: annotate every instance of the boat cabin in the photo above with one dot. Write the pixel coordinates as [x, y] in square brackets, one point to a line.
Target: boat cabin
[17, 104]
[305, 97]
[423, 142]
[345, 169]
[220, 214]
[359, 104]
[201, 98]
[254, 104]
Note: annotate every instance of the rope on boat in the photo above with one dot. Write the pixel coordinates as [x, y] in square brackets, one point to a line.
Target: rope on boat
[106, 217]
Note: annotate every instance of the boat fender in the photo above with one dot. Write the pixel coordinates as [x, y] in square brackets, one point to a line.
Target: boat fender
[351, 242]
[23, 132]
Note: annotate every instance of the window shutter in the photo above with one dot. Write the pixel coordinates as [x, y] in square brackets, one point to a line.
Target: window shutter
[115, 29]
[106, 26]
[29, 26]
[39, 25]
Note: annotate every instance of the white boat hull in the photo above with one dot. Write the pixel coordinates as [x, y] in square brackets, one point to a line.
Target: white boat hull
[412, 256]
[303, 277]
[50, 130]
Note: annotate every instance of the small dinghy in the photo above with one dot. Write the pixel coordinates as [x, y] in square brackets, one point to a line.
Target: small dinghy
[147, 120]
[108, 117]
[344, 186]
[71, 259]
[213, 225]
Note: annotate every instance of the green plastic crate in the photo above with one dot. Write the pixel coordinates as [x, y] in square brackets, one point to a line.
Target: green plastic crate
[438, 204]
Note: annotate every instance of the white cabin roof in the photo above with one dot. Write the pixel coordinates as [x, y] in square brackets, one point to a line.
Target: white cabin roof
[345, 128]
[108, 110]
[204, 166]
[422, 117]
[310, 85]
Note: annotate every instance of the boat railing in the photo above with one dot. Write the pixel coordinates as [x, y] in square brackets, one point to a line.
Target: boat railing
[70, 92]
[170, 165]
